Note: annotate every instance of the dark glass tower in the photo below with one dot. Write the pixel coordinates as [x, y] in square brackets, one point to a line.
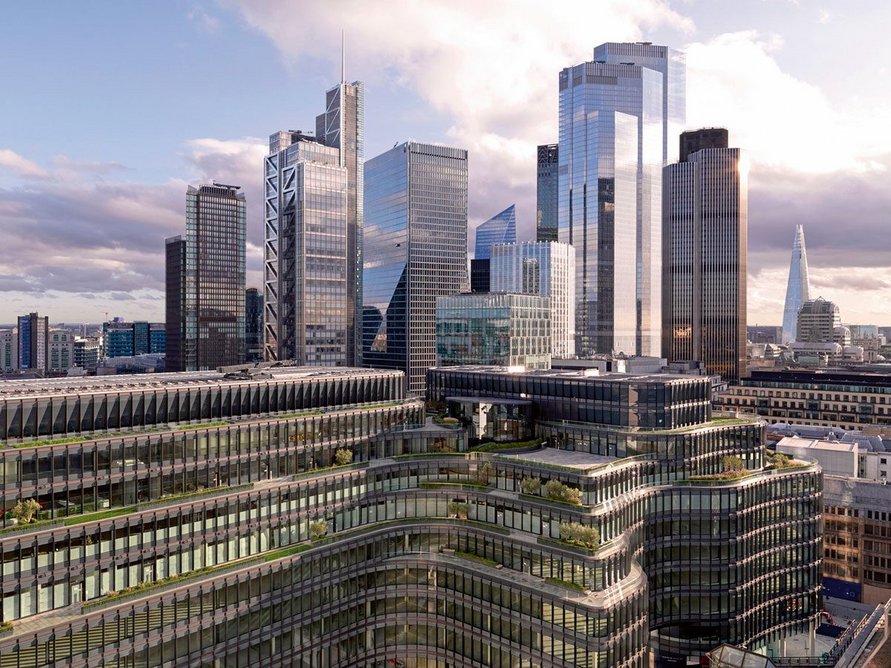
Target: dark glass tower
[546, 194]
[212, 274]
[415, 250]
[704, 234]
[175, 321]
[253, 325]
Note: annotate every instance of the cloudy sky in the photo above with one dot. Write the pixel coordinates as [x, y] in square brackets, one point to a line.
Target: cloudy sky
[110, 109]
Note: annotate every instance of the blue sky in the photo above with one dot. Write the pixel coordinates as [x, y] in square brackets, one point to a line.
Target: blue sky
[110, 109]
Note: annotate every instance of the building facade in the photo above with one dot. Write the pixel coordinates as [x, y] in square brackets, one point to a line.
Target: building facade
[307, 301]
[546, 190]
[238, 535]
[33, 342]
[817, 322]
[831, 397]
[8, 350]
[798, 287]
[499, 229]
[342, 126]
[61, 351]
[704, 548]
[253, 325]
[125, 339]
[493, 328]
[415, 251]
[705, 243]
[174, 305]
[205, 280]
[617, 114]
[87, 351]
[547, 269]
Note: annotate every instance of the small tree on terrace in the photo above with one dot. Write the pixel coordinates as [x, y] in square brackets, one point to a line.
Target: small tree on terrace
[318, 528]
[732, 463]
[531, 486]
[342, 457]
[24, 511]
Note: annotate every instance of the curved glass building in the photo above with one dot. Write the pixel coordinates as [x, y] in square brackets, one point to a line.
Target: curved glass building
[306, 517]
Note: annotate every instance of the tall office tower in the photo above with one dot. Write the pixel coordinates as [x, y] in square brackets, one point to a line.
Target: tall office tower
[499, 229]
[616, 116]
[306, 302]
[33, 342]
[547, 269]
[798, 287]
[210, 287]
[175, 318]
[253, 325]
[704, 236]
[817, 321]
[342, 126]
[415, 251]
[546, 193]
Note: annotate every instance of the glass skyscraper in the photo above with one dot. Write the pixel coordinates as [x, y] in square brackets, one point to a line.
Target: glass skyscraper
[342, 126]
[617, 113]
[415, 250]
[499, 229]
[307, 305]
[704, 227]
[798, 287]
[209, 287]
[253, 325]
[546, 193]
[546, 269]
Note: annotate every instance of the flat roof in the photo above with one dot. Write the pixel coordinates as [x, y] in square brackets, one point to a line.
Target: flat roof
[817, 444]
[575, 459]
[577, 373]
[37, 387]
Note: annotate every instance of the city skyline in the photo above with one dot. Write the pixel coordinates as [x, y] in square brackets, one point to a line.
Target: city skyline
[85, 205]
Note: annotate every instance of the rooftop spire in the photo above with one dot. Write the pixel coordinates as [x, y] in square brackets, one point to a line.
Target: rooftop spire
[342, 59]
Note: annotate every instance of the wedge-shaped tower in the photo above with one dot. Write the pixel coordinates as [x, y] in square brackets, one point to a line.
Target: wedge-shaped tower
[798, 288]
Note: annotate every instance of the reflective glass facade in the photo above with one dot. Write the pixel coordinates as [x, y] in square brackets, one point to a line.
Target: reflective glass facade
[499, 229]
[307, 305]
[253, 327]
[798, 287]
[415, 249]
[342, 126]
[705, 241]
[205, 280]
[546, 193]
[125, 339]
[546, 269]
[500, 329]
[616, 115]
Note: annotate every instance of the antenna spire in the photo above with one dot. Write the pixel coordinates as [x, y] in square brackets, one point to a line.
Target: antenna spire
[342, 59]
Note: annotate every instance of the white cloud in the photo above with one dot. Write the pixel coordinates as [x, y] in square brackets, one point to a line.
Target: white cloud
[21, 166]
[734, 81]
[490, 67]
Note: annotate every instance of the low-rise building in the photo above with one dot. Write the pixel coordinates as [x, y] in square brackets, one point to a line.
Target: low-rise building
[61, 351]
[858, 397]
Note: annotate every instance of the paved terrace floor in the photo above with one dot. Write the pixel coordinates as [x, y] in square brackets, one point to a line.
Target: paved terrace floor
[570, 458]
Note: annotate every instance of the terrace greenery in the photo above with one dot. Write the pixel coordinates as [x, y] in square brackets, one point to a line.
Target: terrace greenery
[475, 557]
[565, 583]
